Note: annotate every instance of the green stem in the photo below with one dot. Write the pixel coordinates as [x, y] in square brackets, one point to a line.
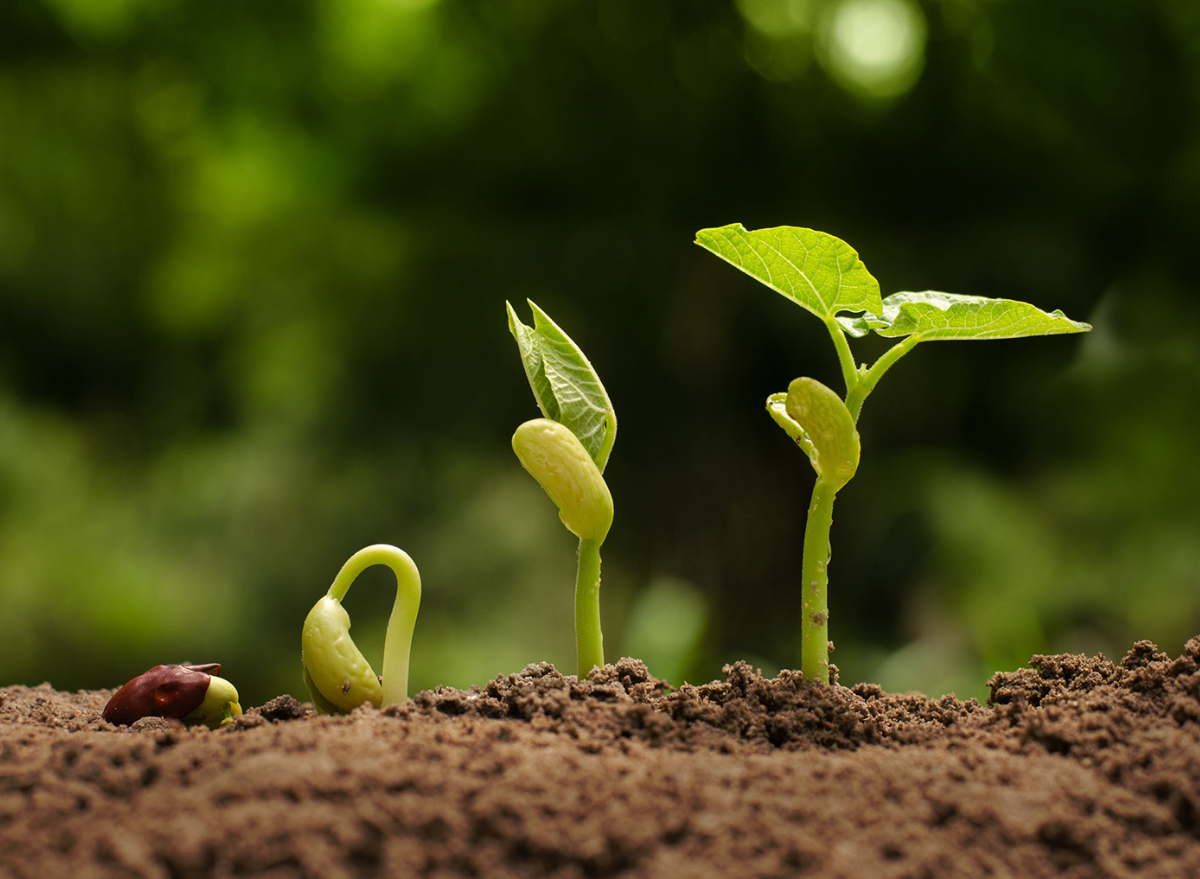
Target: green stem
[814, 647]
[397, 643]
[857, 394]
[845, 355]
[589, 642]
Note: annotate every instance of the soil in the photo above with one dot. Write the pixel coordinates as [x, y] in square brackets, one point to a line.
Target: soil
[1077, 767]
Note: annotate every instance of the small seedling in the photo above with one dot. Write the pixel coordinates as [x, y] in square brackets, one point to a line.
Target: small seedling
[824, 275]
[191, 693]
[566, 453]
[337, 675]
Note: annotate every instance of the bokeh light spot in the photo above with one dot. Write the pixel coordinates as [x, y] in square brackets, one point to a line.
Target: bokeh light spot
[875, 48]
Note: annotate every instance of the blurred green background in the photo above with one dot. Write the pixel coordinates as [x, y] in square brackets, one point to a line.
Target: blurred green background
[253, 263]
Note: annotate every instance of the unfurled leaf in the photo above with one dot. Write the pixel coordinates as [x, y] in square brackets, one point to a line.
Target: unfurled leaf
[818, 271]
[931, 315]
[829, 426]
[564, 383]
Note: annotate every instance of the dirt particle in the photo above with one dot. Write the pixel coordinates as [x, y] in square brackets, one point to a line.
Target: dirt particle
[281, 709]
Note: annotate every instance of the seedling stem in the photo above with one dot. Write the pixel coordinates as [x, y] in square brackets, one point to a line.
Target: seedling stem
[814, 630]
[589, 641]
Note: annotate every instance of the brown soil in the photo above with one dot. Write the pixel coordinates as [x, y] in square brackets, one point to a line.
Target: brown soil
[1077, 768]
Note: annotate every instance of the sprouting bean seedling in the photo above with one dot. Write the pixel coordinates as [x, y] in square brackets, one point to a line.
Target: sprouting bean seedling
[566, 452]
[191, 693]
[337, 675]
[824, 275]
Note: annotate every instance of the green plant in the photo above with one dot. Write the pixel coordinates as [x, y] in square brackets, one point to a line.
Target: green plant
[824, 275]
[337, 675]
[566, 452]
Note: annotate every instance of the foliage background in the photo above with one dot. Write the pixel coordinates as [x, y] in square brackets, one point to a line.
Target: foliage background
[253, 261]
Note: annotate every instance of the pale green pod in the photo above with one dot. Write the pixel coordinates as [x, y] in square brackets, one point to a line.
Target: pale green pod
[833, 444]
[556, 458]
[777, 409]
[332, 660]
[220, 705]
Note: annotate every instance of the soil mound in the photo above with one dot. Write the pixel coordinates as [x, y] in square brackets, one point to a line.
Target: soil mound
[1076, 767]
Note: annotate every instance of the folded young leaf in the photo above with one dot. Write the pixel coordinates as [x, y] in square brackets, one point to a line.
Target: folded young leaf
[564, 383]
[932, 315]
[818, 271]
[829, 426]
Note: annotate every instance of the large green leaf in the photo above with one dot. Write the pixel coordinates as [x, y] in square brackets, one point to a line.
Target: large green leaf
[818, 271]
[931, 315]
[564, 383]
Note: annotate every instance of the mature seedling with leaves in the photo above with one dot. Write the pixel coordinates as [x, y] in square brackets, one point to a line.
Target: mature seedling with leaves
[337, 675]
[566, 452]
[824, 275]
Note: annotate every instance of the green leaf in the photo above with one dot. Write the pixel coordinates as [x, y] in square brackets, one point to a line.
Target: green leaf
[564, 383]
[829, 427]
[818, 271]
[860, 325]
[931, 315]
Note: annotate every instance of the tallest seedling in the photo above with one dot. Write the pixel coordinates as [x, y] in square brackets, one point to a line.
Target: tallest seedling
[824, 275]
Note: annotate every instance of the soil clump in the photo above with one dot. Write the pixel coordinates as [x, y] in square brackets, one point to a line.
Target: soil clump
[1077, 767]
